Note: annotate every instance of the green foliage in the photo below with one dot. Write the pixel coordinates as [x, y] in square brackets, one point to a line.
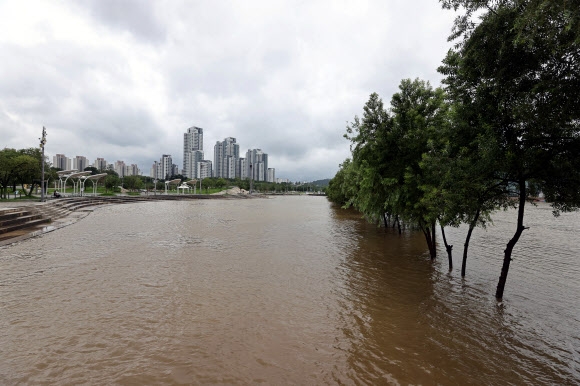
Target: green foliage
[514, 80]
[19, 167]
[92, 169]
[111, 181]
[133, 182]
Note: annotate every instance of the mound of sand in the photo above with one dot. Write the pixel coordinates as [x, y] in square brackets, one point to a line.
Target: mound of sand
[235, 190]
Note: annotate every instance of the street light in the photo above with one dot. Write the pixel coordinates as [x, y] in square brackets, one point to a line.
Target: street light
[251, 179]
[42, 143]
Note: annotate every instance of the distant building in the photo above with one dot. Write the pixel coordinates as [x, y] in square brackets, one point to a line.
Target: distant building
[204, 169]
[256, 165]
[120, 168]
[192, 151]
[132, 170]
[153, 170]
[190, 163]
[80, 163]
[164, 167]
[271, 175]
[62, 162]
[241, 168]
[226, 155]
[100, 164]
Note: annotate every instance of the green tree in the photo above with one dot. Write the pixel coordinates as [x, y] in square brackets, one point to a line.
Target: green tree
[364, 180]
[220, 183]
[30, 169]
[9, 165]
[385, 177]
[92, 169]
[516, 76]
[133, 182]
[111, 181]
[343, 186]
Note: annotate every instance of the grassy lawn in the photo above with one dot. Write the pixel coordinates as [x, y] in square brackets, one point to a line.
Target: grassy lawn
[19, 199]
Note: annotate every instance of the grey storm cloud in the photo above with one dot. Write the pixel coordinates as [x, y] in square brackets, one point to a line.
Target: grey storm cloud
[123, 80]
[134, 16]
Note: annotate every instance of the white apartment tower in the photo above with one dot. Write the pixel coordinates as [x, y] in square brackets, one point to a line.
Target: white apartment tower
[165, 167]
[271, 175]
[60, 161]
[192, 151]
[204, 169]
[120, 168]
[80, 163]
[226, 155]
[100, 164]
[256, 165]
[241, 168]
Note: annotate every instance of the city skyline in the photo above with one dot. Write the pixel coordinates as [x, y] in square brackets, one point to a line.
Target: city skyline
[122, 80]
[227, 162]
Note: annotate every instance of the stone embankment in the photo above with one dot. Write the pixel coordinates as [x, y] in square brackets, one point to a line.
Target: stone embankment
[22, 220]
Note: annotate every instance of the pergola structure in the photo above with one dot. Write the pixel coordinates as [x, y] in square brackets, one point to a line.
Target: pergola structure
[61, 174]
[73, 174]
[94, 180]
[175, 182]
[194, 184]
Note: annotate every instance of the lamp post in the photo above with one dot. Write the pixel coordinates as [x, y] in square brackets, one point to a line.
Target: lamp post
[251, 179]
[201, 166]
[42, 143]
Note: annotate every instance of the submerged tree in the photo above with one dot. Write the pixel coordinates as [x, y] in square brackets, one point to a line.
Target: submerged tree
[516, 76]
[387, 149]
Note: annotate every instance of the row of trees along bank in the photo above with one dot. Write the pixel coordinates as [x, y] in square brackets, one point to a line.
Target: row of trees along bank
[505, 126]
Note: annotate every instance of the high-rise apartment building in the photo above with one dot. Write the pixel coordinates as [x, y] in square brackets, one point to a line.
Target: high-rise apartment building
[226, 155]
[165, 167]
[80, 163]
[120, 168]
[192, 151]
[132, 170]
[256, 165]
[204, 169]
[190, 163]
[100, 164]
[271, 175]
[241, 168]
[60, 161]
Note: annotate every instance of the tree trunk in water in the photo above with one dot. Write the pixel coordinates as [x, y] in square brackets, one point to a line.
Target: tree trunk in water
[448, 248]
[434, 242]
[385, 222]
[466, 245]
[511, 244]
[429, 232]
[399, 224]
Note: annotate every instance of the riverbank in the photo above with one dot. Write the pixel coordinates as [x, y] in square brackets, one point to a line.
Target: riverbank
[62, 212]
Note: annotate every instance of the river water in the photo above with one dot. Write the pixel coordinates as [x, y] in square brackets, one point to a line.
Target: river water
[286, 290]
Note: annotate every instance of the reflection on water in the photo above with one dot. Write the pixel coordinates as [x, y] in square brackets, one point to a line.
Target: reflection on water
[284, 290]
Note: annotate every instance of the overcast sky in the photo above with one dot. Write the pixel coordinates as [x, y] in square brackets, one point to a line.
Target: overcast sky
[124, 79]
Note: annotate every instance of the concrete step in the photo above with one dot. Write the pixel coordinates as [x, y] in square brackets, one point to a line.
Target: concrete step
[9, 214]
[27, 224]
[7, 222]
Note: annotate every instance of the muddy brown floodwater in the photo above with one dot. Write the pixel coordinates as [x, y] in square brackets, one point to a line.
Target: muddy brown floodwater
[286, 290]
